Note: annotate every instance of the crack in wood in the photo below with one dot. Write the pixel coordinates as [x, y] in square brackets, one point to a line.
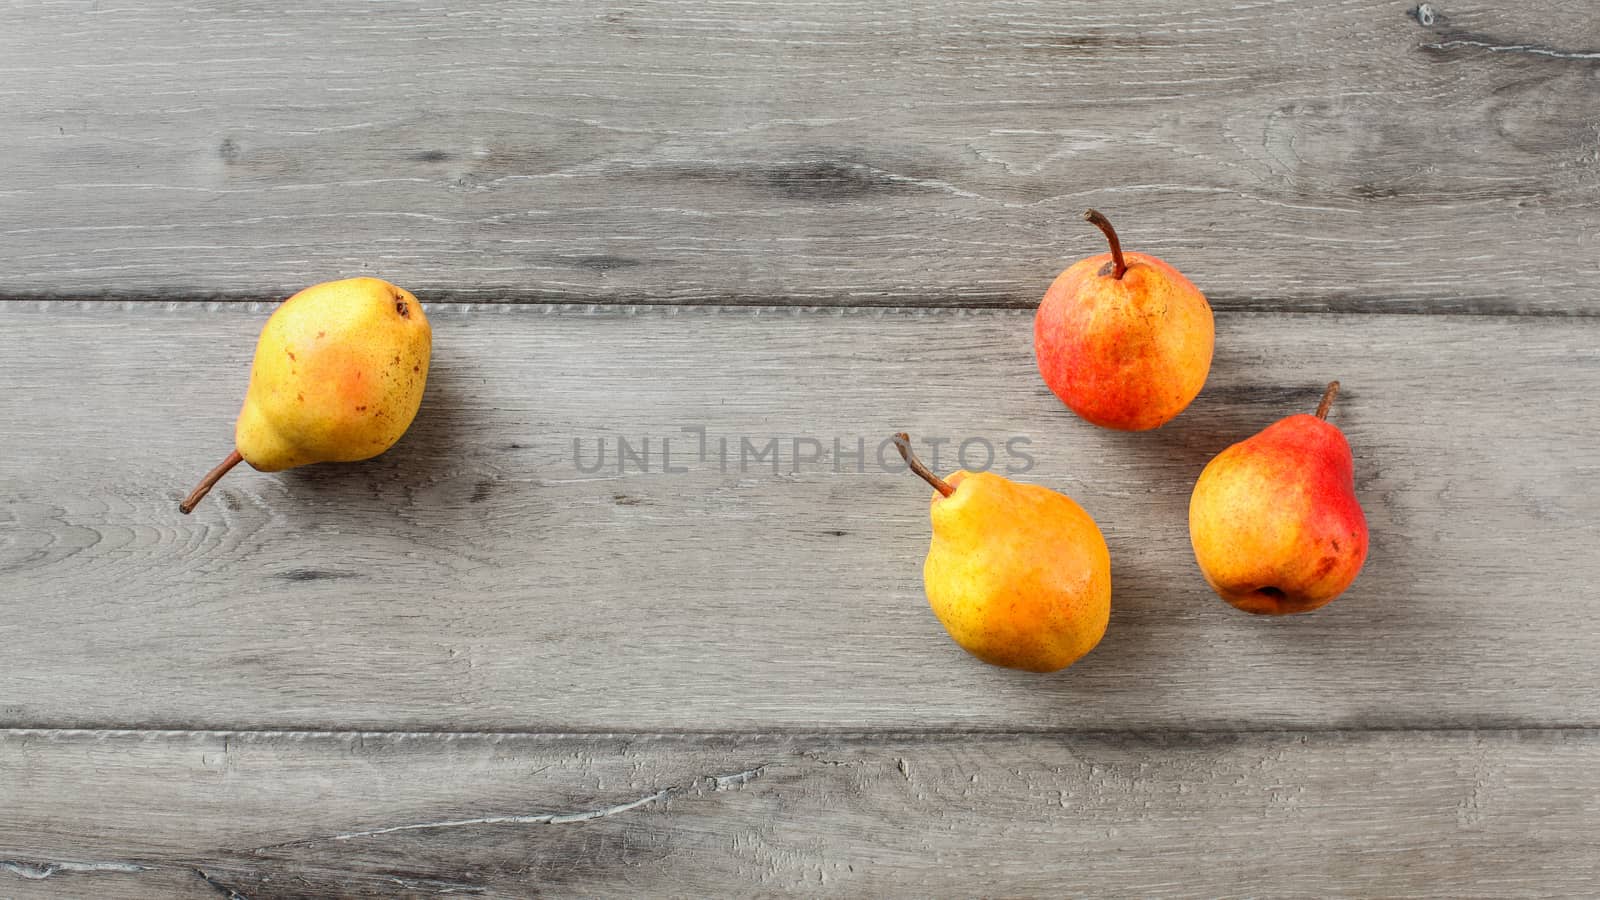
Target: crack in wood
[38, 871]
[1497, 47]
[1428, 16]
[719, 783]
[537, 819]
[226, 890]
[738, 779]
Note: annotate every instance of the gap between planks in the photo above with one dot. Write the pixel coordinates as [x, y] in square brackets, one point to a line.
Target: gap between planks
[489, 298]
[931, 735]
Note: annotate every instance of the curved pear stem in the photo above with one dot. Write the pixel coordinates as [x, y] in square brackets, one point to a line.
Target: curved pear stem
[903, 442]
[1098, 220]
[212, 477]
[1327, 400]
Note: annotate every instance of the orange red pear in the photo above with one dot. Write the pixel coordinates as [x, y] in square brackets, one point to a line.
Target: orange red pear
[1274, 520]
[1123, 339]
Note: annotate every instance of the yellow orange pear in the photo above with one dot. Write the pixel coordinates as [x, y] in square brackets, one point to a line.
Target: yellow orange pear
[338, 376]
[1274, 520]
[1124, 340]
[1018, 574]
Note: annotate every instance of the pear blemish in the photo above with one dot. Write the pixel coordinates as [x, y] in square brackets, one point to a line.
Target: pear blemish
[317, 391]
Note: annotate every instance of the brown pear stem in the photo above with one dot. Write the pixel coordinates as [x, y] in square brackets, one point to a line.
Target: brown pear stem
[212, 477]
[1327, 400]
[903, 442]
[1098, 220]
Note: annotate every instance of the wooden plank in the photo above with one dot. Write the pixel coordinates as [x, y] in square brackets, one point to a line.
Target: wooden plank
[1447, 814]
[1342, 156]
[475, 578]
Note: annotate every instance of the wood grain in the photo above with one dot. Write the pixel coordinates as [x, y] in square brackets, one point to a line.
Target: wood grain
[1348, 156]
[475, 579]
[1446, 814]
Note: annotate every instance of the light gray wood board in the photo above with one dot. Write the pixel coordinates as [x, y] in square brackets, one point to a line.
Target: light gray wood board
[473, 578]
[1341, 156]
[1441, 814]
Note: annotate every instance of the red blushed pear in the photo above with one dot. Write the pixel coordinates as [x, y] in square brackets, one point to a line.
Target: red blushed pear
[338, 376]
[1123, 339]
[1274, 520]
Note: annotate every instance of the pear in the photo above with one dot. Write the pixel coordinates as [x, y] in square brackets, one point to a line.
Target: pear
[1018, 574]
[1274, 520]
[338, 376]
[1124, 340]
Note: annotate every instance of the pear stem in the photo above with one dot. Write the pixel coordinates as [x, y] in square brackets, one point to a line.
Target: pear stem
[903, 442]
[212, 477]
[1098, 220]
[1327, 400]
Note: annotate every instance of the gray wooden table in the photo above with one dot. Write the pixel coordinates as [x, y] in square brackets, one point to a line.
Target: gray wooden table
[471, 666]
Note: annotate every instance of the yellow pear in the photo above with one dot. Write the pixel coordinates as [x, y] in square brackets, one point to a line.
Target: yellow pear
[338, 376]
[1018, 574]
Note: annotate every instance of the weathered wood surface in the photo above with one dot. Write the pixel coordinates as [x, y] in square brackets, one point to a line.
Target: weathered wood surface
[1443, 814]
[770, 707]
[473, 578]
[1361, 155]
